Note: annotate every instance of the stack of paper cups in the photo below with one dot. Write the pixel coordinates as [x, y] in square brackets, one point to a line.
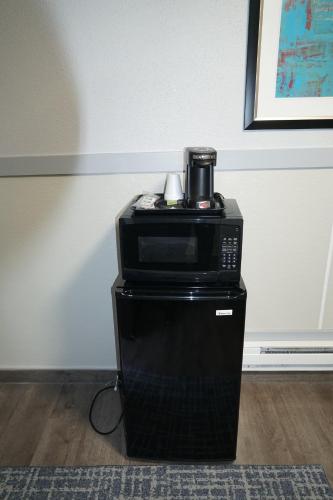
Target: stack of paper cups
[173, 188]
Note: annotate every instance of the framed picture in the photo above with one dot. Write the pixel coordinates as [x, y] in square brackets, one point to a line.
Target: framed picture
[289, 76]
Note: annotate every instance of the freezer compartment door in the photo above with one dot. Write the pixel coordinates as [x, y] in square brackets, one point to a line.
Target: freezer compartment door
[181, 361]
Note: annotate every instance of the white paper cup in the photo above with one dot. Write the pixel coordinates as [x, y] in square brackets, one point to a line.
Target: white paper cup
[173, 188]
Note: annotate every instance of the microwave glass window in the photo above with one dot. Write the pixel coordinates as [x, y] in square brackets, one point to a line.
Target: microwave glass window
[182, 250]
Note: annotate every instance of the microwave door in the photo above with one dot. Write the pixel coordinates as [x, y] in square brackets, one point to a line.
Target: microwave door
[181, 366]
[170, 252]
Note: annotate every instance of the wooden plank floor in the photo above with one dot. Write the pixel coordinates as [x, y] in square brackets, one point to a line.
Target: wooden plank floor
[284, 419]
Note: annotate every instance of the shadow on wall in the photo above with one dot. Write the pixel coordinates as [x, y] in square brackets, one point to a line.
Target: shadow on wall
[39, 98]
[84, 312]
[85, 315]
[38, 92]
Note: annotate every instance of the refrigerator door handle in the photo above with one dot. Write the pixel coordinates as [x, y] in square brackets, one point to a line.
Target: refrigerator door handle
[188, 298]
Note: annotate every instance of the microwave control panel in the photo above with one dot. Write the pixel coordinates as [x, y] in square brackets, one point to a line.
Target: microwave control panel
[230, 251]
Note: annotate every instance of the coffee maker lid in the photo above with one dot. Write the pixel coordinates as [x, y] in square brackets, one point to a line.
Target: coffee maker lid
[201, 156]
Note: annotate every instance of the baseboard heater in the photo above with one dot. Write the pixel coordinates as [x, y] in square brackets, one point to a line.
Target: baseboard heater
[296, 350]
[311, 350]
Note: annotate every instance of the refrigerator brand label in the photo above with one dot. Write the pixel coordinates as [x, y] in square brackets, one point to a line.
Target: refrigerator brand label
[223, 312]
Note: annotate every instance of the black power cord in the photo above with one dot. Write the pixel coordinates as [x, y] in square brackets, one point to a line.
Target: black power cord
[113, 386]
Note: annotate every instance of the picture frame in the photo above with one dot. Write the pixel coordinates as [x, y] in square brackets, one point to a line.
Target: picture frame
[263, 108]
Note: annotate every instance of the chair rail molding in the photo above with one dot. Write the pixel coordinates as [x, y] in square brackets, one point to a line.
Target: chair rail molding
[163, 161]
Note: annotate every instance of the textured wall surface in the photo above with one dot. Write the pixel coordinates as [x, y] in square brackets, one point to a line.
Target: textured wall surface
[58, 259]
[119, 76]
[126, 76]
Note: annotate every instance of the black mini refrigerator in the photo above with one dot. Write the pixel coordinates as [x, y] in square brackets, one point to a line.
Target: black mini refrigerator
[180, 355]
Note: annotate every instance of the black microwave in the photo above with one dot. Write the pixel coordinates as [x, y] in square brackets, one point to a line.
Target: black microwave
[183, 246]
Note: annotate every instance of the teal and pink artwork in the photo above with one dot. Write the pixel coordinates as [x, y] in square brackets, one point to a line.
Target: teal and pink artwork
[305, 61]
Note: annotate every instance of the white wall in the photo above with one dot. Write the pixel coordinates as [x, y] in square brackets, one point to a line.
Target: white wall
[58, 259]
[120, 76]
[127, 75]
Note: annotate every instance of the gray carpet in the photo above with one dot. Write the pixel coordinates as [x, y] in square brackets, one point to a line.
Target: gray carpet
[165, 482]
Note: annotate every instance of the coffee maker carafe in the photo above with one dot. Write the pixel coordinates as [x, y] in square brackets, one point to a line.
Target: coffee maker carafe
[199, 177]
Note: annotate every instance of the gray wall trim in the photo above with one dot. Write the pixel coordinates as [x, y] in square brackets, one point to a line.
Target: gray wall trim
[106, 376]
[37, 376]
[166, 161]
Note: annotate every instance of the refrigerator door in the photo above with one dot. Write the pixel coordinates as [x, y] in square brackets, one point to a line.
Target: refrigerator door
[181, 358]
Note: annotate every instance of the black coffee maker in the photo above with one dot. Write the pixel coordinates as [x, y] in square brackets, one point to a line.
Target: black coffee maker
[199, 177]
